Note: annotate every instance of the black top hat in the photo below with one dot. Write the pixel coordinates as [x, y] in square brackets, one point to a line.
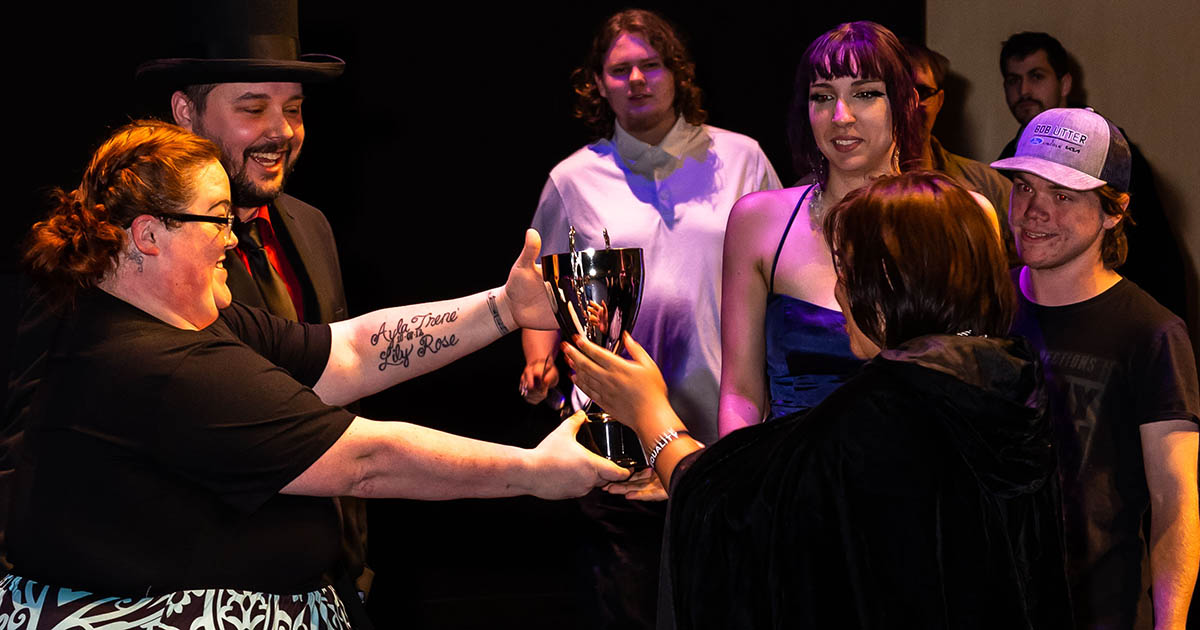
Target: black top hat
[245, 41]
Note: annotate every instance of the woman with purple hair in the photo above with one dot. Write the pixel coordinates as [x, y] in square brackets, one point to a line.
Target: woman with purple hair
[854, 119]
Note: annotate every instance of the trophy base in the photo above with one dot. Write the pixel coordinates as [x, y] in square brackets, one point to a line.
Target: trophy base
[612, 440]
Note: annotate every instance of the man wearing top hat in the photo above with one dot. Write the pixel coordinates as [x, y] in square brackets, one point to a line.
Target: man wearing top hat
[1120, 374]
[246, 95]
[244, 91]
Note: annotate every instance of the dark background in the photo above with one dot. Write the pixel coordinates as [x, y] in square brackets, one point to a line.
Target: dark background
[428, 157]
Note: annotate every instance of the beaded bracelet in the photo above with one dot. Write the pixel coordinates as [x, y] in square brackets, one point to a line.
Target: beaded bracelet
[663, 440]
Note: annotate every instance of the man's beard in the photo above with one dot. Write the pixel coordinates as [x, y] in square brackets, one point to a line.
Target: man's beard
[1041, 107]
[246, 193]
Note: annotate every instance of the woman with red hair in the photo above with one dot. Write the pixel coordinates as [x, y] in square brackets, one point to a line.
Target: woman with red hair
[178, 450]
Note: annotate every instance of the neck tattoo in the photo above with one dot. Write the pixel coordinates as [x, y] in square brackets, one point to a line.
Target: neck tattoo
[136, 257]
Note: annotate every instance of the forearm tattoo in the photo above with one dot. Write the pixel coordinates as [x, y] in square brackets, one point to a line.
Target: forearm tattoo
[418, 334]
[491, 300]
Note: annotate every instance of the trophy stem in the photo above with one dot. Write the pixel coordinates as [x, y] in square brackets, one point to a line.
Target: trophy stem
[610, 439]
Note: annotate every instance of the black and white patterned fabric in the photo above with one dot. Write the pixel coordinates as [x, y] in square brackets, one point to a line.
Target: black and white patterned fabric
[30, 605]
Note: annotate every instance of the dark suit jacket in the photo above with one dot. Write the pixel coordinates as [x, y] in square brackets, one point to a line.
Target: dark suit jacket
[308, 239]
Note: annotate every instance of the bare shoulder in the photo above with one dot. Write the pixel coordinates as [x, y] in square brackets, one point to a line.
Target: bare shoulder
[765, 208]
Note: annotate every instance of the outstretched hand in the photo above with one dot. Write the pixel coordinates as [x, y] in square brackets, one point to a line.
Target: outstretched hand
[525, 291]
[643, 485]
[633, 392]
[564, 468]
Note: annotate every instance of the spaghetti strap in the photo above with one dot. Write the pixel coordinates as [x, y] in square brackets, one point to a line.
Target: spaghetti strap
[787, 229]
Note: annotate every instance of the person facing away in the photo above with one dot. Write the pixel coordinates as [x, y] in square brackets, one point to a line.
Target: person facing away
[919, 494]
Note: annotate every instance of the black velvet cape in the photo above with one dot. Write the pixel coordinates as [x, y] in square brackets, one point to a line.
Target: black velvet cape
[920, 494]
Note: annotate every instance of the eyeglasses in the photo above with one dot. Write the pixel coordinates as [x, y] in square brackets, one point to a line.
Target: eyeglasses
[226, 222]
[925, 92]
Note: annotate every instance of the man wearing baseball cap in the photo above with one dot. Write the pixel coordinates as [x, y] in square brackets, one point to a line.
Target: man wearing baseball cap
[1120, 373]
[241, 86]
[1038, 75]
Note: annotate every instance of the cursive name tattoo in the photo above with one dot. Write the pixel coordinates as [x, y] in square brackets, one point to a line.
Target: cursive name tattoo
[431, 345]
[401, 340]
[396, 351]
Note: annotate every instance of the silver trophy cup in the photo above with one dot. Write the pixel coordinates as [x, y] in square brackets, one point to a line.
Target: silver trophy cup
[596, 294]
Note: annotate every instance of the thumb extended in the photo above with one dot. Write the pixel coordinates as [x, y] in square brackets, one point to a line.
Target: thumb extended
[573, 422]
[533, 247]
[606, 469]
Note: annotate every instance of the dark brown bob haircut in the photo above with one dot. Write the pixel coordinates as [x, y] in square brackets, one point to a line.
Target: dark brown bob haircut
[145, 167]
[917, 256]
[855, 49]
[594, 110]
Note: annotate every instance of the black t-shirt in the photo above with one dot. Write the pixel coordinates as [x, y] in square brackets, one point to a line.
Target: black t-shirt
[153, 457]
[1112, 363]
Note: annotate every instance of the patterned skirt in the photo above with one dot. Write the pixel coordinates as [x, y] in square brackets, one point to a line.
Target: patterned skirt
[29, 605]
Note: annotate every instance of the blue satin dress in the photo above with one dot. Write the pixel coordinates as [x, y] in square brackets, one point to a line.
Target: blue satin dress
[808, 351]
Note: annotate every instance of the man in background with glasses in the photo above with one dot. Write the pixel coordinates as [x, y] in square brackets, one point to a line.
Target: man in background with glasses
[929, 74]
